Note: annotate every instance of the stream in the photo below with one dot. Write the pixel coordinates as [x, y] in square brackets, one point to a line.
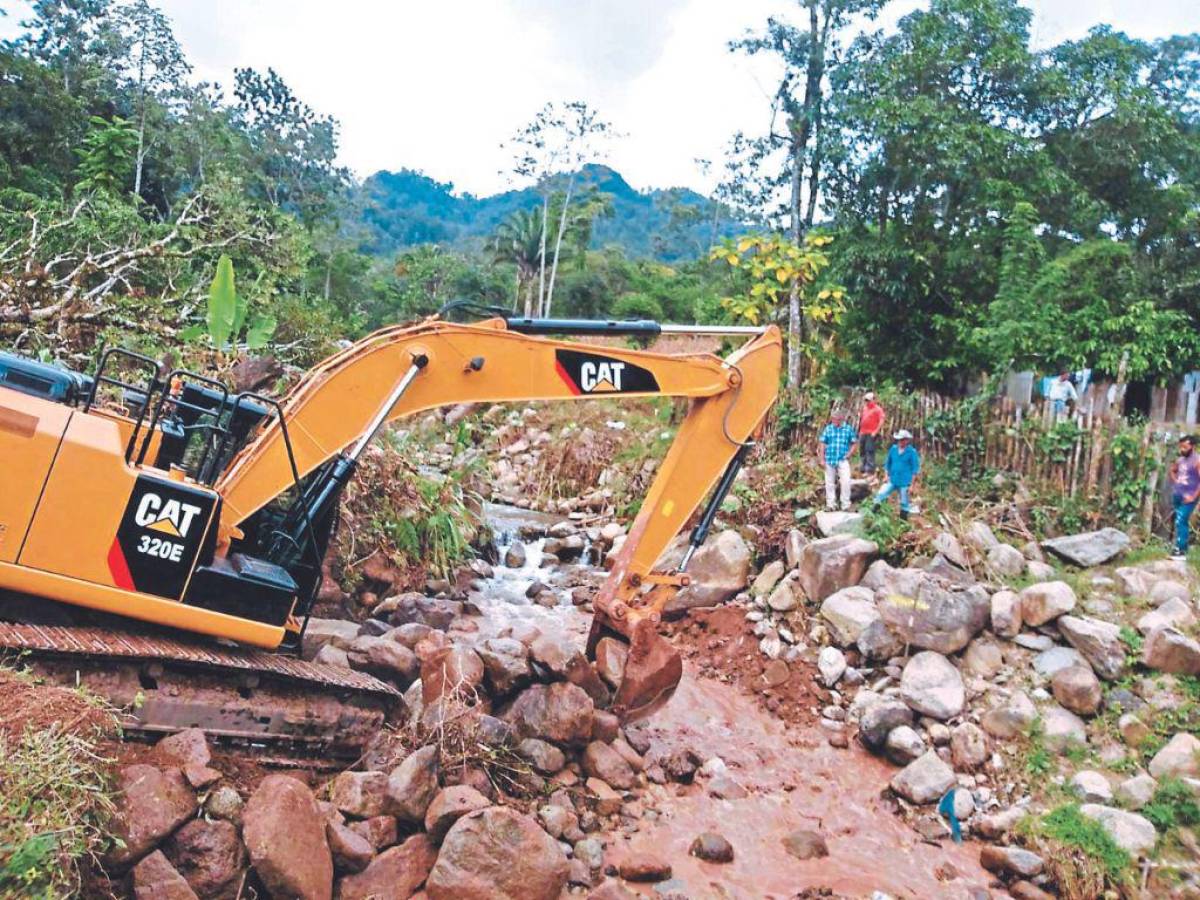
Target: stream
[793, 778]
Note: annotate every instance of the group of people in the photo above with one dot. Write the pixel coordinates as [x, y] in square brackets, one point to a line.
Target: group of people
[838, 441]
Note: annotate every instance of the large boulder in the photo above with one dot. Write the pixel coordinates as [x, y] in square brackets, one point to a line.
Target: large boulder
[1005, 561]
[450, 805]
[319, 632]
[561, 713]
[831, 564]
[352, 851]
[359, 794]
[209, 855]
[1045, 601]
[1173, 613]
[1179, 757]
[931, 686]
[152, 803]
[1098, 641]
[435, 612]
[1006, 614]
[498, 854]
[561, 657]
[412, 785]
[395, 874]
[601, 761]
[848, 612]
[454, 671]
[786, 595]
[935, 618]
[1010, 717]
[1078, 689]
[505, 665]
[1170, 650]
[1132, 833]
[1061, 728]
[720, 568]
[284, 830]
[924, 780]
[1091, 549]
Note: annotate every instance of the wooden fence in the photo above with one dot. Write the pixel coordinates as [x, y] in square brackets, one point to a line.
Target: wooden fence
[1068, 453]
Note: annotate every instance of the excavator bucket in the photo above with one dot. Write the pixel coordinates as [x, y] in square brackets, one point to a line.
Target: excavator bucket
[651, 670]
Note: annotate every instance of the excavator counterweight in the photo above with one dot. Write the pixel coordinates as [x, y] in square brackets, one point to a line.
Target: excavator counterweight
[180, 505]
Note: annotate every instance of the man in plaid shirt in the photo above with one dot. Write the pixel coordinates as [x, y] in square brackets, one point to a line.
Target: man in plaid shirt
[838, 440]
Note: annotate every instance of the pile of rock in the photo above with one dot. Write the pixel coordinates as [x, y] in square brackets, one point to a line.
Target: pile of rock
[946, 672]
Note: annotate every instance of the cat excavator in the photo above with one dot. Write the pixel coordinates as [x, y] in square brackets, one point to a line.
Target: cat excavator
[162, 538]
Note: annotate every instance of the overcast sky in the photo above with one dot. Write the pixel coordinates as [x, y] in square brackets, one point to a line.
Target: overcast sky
[437, 86]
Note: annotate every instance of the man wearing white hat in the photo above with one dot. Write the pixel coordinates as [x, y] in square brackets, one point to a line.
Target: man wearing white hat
[902, 465]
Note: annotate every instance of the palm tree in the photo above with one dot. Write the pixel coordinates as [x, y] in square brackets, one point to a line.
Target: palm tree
[518, 240]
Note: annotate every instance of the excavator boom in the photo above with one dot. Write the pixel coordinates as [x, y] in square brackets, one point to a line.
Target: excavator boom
[102, 511]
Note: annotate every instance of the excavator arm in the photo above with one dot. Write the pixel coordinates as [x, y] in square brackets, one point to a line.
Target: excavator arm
[400, 371]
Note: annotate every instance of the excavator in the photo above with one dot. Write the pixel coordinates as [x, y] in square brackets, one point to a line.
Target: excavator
[162, 538]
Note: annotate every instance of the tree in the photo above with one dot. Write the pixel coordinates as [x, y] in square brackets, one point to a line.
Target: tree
[73, 37]
[520, 240]
[106, 157]
[550, 150]
[156, 66]
[777, 272]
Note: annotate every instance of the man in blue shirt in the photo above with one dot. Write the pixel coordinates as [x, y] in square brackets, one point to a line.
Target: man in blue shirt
[902, 465]
[838, 440]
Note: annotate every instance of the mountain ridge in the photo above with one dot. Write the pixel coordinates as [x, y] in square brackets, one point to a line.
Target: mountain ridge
[405, 208]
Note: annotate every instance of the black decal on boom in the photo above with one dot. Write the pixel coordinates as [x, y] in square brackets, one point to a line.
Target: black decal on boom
[592, 373]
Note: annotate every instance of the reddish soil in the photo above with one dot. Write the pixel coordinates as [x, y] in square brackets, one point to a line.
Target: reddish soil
[720, 643]
[28, 704]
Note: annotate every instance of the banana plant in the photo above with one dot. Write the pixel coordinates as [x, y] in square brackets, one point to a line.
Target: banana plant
[228, 315]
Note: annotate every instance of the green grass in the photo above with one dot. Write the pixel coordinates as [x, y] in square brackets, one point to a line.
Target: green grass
[1173, 805]
[1068, 827]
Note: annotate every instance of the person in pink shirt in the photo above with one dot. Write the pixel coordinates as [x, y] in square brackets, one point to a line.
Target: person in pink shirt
[870, 424]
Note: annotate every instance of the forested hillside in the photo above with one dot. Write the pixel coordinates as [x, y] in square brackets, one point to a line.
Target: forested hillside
[406, 208]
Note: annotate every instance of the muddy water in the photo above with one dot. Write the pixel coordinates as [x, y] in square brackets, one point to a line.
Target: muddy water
[794, 779]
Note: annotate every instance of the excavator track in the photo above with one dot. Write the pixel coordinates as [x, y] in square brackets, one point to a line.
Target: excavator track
[164, 684]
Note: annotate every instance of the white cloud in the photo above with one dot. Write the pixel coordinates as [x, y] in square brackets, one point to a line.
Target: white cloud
[439, 86]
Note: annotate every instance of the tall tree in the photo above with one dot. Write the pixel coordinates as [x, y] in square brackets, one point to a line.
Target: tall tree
[807, 53]
[550, 150]
[156, 67]
[76, 38]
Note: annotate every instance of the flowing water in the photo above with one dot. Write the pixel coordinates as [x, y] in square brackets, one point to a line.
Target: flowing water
[794, 779]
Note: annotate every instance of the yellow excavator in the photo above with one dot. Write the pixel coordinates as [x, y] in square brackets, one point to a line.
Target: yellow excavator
[163, 511]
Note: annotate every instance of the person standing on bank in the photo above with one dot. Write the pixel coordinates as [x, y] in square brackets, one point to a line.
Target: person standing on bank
[902, 466]
[838, 441]
[1185, 491]
[870, 423]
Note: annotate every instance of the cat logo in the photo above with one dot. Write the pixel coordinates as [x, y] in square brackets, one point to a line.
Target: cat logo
[597, 377]
[172, 518]
[592, 373]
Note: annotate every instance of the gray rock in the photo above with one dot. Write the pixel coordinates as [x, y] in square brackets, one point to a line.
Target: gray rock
[948, 545]
[932, 686]
[793, 547]
[1170, 650]
[1042, 571]
[1168, 589]
[506, 664]
[980, 536]
[1010, 718]
[924, 780]
[1036, 642]
[878, 720]
[320, 632]
[832, 665]
[1099, 642]
[1132, 833]
[1045, 601]
[968, 746]
[1134, 793]
[903, 745]
[1005, 561]
[848, 612]
[830, 564]
[983, 658]
[878, 643]
[787, 595]
[720, 568]
[937, 619]
[1050, 662]
[1061, 728]
[831, 522]
[1011, 861]
[1179, 758]
[1173, 613]
[1093, 548]
[412, 785]
[767, 578]
[1078, 689]
[1091, 787]
[1006, 614]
